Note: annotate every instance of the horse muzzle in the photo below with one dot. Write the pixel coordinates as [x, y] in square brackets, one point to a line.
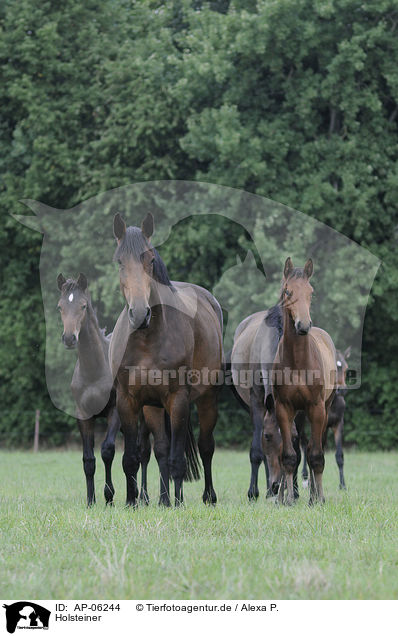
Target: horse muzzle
[302, 328]
[136, 321]
[70, 341]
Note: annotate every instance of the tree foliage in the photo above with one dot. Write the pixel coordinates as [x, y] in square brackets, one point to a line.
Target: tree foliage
[294, 100]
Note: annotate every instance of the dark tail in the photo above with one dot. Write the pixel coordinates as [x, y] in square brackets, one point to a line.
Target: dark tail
[191, 455]
[191, 450]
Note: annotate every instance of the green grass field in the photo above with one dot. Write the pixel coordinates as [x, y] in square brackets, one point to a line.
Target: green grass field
[52, 546]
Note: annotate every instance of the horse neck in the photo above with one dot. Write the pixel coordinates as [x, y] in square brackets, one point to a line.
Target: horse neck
[91, 351]
[295, 349]
[155, 300]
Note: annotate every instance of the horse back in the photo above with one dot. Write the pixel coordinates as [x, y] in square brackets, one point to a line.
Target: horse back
[327, 355]
[208, 329]
[255, 346]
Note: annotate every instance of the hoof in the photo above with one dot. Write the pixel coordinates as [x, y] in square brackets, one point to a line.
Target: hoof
[253, 495]
[144, 498]
[313, 501]
[164, 500]
[289, 502]
[209, 498]
[131, 503]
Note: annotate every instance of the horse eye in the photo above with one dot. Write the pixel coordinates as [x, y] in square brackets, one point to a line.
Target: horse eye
[288, 293]
[84, 306]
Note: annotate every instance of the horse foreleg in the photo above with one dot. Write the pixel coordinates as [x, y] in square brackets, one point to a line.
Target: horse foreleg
[158, 423]
[284, 417]
[108, 453]
[338, 438]
[128, 414]
[179, 416]
[207, 413]
[86, 428]
[316, 458]
[296, 446]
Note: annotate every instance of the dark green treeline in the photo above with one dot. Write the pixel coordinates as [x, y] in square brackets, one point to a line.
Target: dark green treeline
[295, 100]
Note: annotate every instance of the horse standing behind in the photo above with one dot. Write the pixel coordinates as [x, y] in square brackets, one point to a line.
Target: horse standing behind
[335, 419]
[92, 384]
[255, 344]
[304, 377]
[173, 331]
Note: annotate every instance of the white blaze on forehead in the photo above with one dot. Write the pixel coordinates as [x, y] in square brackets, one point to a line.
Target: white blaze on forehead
[338, 361]
[70, 298]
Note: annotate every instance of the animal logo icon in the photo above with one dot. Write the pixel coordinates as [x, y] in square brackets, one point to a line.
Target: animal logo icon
[26, 615]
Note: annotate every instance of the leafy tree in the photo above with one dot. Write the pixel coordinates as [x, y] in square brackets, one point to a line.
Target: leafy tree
[292, 100]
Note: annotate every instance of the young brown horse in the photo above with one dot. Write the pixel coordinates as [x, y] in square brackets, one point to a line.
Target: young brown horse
[304, 377]
[166, 345]
[335, 419]
[92, 385]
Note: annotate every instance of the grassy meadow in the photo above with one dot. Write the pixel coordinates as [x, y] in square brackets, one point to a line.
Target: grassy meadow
[52, 546]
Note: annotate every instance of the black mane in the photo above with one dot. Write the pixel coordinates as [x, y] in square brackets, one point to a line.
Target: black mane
[274, 318]
[135, 244]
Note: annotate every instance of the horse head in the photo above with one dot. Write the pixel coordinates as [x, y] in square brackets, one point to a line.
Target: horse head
[297, 294]
[72, 305]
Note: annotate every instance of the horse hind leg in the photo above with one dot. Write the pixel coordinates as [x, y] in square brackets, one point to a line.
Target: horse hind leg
[86, 428]
[108, 453]
[338, 438]
[256, 453]
[316, 457]
[253, 491]
[296, 446]
[145, 455]
[162, 449]
[207, 413]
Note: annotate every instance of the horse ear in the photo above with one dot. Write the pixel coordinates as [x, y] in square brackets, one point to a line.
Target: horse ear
[60, 281]
[147, 226]
[347, 353]
[82, 282]
[269, 403]
[288, 267]
[309, 268]
[119, 227]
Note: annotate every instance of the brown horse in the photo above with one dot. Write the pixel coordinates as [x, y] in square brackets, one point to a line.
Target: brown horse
[335, 419]
[166, 352]
[304, 377]
[255, 344]
[92, 385]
